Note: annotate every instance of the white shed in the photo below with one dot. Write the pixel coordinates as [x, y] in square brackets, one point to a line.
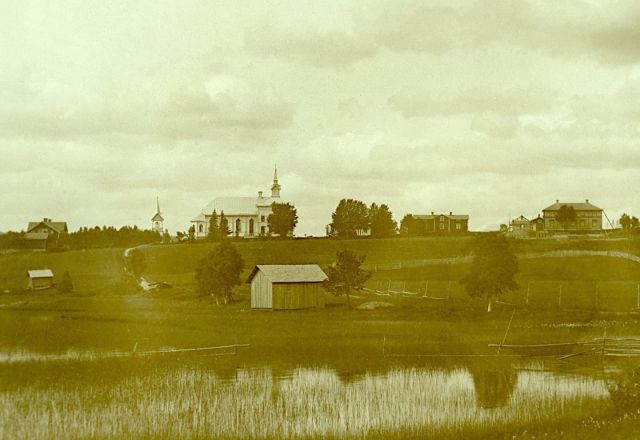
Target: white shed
[287, 286]
[40, 279]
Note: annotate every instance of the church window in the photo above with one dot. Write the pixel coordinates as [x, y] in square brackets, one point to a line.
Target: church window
[238, 226]
[251, 227]
[200, 227]
[262, 218]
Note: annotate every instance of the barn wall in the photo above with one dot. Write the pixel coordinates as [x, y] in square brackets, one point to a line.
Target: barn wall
[291, 296]
[40, 283]
[261, 292]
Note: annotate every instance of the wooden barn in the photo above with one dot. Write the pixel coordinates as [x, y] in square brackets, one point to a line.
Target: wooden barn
[287, 287]
[40, 279]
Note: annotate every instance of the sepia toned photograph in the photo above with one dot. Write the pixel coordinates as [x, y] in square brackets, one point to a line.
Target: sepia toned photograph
[330, 219]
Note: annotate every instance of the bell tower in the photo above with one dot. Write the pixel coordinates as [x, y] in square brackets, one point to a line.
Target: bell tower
[275, 188]
[157, 221]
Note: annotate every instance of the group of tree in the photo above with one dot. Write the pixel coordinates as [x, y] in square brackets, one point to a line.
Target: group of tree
[628, 222]
[353, 218]
[218, 227]
[85, 238]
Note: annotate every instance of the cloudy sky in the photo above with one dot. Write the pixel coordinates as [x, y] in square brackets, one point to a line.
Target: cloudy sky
[487, 108]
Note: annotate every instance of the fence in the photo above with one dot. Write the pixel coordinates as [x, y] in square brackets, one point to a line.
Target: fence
[587, 295]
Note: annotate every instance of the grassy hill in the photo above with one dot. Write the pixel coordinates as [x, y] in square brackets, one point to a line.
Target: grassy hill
[100, 271]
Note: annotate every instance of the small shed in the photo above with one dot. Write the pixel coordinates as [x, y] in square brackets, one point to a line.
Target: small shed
[40, 279]
[287, 286]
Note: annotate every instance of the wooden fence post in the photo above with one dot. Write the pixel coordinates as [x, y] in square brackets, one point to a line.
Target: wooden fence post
[404, 286]
[597, 293]
[638, 296]
[389, 287]
[560, 297]
[426, 288]
[449, 290]
[528, 290]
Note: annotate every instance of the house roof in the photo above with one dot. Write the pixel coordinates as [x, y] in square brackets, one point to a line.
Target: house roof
[55, 226]
[40, 273]
[520, 219]
[432, 216]
[290, 273]
[36, 235]
[580, 206]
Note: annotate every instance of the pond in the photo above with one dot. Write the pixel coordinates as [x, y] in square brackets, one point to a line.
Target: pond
[194, 397]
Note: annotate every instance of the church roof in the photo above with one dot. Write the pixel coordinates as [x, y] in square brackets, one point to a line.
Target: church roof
[157, 218]
[236, 205]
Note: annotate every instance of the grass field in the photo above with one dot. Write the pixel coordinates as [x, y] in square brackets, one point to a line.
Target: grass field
[340, 355]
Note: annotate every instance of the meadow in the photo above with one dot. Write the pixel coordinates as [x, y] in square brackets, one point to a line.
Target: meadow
[347, 364]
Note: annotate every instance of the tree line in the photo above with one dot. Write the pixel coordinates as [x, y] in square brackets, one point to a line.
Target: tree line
[85, 238]
[353, 218]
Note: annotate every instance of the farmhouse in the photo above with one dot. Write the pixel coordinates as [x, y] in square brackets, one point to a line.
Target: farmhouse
[287, 287]
[588, 217]
[444, 223]
[247, 216]
[40, 279]
[38, 232]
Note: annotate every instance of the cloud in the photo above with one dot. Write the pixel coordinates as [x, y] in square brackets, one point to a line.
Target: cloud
[335, 48]
[473, 101]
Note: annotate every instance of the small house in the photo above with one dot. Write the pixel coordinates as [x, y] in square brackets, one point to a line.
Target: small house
[40, 279]
[444, 223]
[287, 286]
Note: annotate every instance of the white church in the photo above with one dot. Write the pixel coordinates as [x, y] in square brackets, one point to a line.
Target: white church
[247, 216]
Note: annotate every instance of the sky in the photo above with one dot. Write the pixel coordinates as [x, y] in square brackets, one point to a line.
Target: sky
[492, 109]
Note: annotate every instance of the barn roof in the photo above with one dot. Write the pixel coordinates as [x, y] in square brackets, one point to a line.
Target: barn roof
[290, 273]
[580, 206]
[40, 273]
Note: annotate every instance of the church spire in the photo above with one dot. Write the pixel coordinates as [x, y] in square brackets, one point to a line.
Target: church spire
[157, 205]
[275, 188]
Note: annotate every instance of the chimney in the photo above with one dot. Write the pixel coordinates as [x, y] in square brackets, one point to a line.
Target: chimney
[587, 200]
[260, 194]
[450, 212]
[557, 200]
[431, 212]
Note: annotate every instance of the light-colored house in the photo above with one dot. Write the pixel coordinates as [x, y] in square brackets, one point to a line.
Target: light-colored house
[40, 279]
[246, 216]
[588, 217]
[287, 287]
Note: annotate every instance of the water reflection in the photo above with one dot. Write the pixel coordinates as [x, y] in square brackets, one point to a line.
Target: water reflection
[494, 383]
[197, 402]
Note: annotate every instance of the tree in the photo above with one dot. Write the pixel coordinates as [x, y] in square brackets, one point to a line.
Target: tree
[566, 215]
[345, 274]
[192, 233]
[349, 217]
[166, 238]
[219, 271]
[411, 226]
[283, 219]
[66, 284]
[493, 268]
[134, 262]
[214, 227]
[223, 228]
[381, 221]
[628, 222]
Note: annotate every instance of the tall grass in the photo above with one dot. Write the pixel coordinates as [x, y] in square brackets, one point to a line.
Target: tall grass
[308, 403]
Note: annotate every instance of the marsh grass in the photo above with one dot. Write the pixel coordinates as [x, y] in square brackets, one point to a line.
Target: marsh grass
[306, 403]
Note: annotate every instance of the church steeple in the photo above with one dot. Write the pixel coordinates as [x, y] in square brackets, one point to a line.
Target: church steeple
[275, 188]
[157, 222]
